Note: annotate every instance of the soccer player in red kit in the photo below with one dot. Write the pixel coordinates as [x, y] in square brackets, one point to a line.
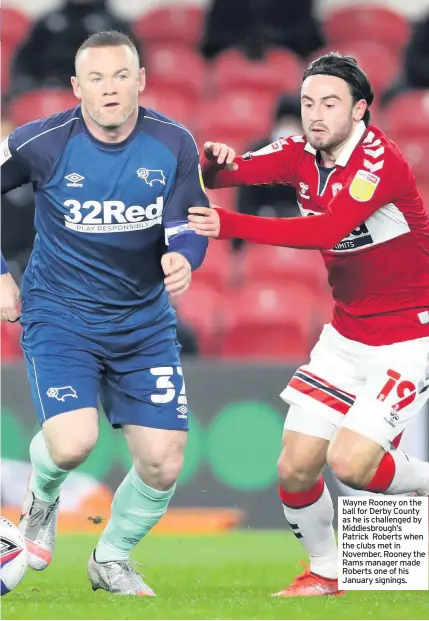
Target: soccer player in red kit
[369, 372]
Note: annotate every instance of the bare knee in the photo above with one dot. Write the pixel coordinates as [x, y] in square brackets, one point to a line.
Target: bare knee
[70, 437]
[301, 461]
[354, 463]
[71, 452]
[295, 477]
[161, 472]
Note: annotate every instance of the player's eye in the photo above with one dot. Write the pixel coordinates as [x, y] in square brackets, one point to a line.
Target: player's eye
[96, 79]
[123, 76]
[330, 105]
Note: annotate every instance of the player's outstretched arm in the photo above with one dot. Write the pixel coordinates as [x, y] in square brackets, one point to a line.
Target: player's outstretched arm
[346, 211]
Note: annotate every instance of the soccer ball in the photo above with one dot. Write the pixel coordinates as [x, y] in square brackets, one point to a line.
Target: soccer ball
[13, 556]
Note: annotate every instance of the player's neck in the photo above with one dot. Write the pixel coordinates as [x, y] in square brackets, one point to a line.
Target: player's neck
[111, 136]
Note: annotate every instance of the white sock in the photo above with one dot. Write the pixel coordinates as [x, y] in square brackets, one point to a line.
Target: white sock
[411, 474]
[313, 526]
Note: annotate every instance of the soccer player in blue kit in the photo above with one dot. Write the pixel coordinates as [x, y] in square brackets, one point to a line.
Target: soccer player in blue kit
[113, 183]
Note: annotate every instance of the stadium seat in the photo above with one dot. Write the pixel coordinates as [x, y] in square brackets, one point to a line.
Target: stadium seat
[15, 27]
[215, 272]
[6, 59]
[176, 67]
[225, 198]
[199, 307]
[242, 113]
[39, 104]
[267, 323]
[360, 23]
[408, 114]
[165, 99]
[180, 24]
[236, 137]
[275, 265]
[278, 72]
[416, 151]
[375, 59]
[10, 341]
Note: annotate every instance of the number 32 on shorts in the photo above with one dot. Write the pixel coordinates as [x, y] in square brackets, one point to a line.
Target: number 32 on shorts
[167, 389]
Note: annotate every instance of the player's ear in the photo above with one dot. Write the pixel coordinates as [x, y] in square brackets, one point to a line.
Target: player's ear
[359, 109]
[142, 79]
[76, 88]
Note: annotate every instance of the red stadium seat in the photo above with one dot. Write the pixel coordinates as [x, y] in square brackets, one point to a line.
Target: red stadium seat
[267, 323]
[10, 341]
[176, 67]
[15, 27]
[275, 265]
[180, 24]
[408, 114]
[6, 59]
[278, 72]
[367, 23]
[225, 198]
[376, 60]
[199, 307]
[243, 113]
[416, 151]
[235, 137]
[215, 272]
[40, 104]
[178, 106]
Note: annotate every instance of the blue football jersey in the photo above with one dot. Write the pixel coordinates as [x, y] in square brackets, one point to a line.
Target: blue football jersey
[105, 214]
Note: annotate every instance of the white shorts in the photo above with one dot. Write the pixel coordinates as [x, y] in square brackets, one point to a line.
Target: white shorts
[373, 390]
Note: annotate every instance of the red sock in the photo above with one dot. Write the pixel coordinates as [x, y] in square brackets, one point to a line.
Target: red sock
[383, 476]
[302, 499]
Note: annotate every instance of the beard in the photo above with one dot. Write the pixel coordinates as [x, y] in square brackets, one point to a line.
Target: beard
[329, 142]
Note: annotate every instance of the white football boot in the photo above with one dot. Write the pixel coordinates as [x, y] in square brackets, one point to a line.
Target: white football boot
[38, 524]
[117, 577]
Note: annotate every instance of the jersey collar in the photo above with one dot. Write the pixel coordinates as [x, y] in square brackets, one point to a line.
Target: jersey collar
[349, 147]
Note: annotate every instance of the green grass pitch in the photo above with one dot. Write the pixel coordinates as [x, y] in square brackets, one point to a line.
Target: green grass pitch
[227, 576]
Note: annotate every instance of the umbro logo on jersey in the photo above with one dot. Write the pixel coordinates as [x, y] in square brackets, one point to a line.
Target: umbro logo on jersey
[151, 176]
[74, 179]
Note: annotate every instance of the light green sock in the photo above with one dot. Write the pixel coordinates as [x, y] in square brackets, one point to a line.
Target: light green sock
[136, 508]
[46, 478]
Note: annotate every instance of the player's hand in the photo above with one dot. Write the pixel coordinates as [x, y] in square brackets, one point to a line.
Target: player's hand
[220, 154]
[10, 299]
[177, 272]
[204, 221]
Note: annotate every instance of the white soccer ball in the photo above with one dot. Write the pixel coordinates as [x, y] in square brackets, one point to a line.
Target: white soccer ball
[13, 556]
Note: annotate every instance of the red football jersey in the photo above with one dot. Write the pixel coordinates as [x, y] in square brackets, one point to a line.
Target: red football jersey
[371, 228]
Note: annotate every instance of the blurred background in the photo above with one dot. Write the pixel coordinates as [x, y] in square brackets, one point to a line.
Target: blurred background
[229, 70]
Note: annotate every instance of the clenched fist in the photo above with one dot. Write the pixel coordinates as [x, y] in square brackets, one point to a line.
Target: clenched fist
[177, 272]
[10, 303]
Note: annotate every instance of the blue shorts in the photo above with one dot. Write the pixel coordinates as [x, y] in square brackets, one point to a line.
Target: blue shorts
[136, 375]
